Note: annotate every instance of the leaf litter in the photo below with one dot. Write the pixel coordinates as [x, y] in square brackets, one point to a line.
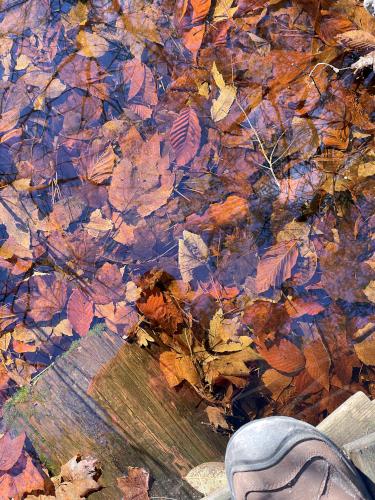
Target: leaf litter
[195, 175]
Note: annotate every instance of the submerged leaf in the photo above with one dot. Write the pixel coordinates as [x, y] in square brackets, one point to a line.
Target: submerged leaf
[192, 253]
[276, 265]
[185, 136]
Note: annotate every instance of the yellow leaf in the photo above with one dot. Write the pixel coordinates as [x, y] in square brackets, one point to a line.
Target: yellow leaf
[22, 62]
[91, 44]
[203, 90]
[224, 10]
[143, 338]
[366, 169]
[78, 14]
[5, 341]
[221, 106]
[218, 77]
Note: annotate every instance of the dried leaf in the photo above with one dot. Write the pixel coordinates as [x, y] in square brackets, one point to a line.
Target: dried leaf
[364, 62]
[357, 40]
[276, 265]
[299, 307]
[365, 350]
[318, 362]
[177, 367]
[284, 356]
[221, 106]
[47, 300]
[192, 253]
[135, 485]
[80, 312]
[185, 136]
[91, 44]
[200, 10]
[224, 10]
[275, 382]
[10, 450]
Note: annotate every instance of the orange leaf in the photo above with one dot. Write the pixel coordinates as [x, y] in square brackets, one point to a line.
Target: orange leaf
[229, 212]
[200, 10]
[284, 357]
[275, 382]
[23, 347]
[185, 136]
[135, 485]
[299, 307]
[318, 362]
[276, 265]
[140, 77]
[80, 312]
[29, 479]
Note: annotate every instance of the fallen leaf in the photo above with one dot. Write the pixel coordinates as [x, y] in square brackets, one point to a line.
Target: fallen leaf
[275, 382]
[284, 356]
[298, 307]
[221, 106]
[276, 265]
[185, 136]
[318, 362]
[365, 350]
[10, 450]
[192, 253]
[135, 485]
[80, 312]
[91, 44]
[47, 300]
[177, 367]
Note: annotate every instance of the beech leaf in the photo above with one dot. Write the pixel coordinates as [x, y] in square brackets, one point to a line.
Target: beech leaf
[276, 265]
[192, 253]
[318, 362]
[185, 136]
[10, 450]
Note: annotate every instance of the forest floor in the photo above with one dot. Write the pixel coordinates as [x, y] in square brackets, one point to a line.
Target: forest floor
[198, 175]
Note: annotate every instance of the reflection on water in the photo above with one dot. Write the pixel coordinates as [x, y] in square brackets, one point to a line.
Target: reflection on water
[197, 175]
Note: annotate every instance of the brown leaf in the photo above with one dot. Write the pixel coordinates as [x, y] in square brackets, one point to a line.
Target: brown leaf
[78, 478]
[276, 265]
[177, 367]
[318, 362]
[80, 312]
[140, 78]
[135, 485]
[185, 136]
[25, 479]
[47, 300]
[365, 350]
[357, 40]
[284, 357]
[275, 382]
[232, 211]
[10, 450]
[217, 418]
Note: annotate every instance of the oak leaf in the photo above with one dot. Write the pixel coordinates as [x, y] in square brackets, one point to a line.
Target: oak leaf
[276, 265]
[185, 136]
[318, 362]
[80, 312]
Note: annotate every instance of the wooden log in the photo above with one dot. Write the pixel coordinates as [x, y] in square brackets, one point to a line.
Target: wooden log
[362, 453]
[108, 399]
[352, 420]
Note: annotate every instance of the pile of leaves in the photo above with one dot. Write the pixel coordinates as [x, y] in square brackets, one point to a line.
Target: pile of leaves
[195, 174]
[21, 476]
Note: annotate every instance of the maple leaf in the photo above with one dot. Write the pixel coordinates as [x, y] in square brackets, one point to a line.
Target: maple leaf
[185, 136]
[318, 362]
[80, 312]
[192, 253]
[276, 265]
[47, 300]
[177, 367]
[135, 485]
[284, 356]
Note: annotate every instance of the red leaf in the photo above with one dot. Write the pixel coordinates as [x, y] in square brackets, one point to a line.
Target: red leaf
[200, 10]
[185, 136]
[80, 312]
[135, 485]
[276, 265]
[285, 357]
[10, 450]
[318, 362]
[299, 307]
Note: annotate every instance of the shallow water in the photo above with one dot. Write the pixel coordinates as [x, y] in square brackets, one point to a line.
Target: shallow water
[195, 175]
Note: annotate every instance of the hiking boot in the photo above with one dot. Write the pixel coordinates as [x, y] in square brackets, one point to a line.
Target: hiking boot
[282, 458]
